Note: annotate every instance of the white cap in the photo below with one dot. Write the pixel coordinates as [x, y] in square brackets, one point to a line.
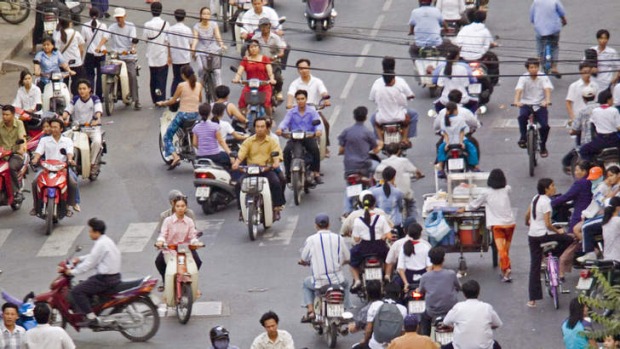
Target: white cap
[588, 91]
[119, 12]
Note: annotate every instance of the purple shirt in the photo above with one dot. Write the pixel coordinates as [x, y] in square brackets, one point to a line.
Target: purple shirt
[207, 142]
[294, 121]
[581, 195]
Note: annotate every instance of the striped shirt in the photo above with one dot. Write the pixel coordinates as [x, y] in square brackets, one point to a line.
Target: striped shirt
[12, 340]
[177, 230]
[326, 252]
[205, 131]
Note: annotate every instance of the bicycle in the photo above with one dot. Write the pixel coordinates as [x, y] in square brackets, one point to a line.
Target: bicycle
[209, 63]
[551, 272]
[532, 137]
[546, 57]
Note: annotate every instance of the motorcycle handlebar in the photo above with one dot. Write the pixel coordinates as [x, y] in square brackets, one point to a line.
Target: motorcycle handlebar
[530, 105]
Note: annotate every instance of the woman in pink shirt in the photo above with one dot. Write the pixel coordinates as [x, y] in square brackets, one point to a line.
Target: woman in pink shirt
[176, 229]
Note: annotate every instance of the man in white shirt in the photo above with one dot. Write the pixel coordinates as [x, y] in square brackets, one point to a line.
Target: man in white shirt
[72, 50]
[473, 321]
[250, 19]
[45, 336]
[607, 61]
[475, 40]
[574, 97]
[93, 32]
[326, 253]
[105, 257]
[533, 94]
[606, 120]
[157, 52]
[11, 335]
[391, 107]
[180, 40]
[392, 294]
[272, 338]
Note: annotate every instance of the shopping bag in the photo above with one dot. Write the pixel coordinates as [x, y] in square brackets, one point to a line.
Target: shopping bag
[436, 225]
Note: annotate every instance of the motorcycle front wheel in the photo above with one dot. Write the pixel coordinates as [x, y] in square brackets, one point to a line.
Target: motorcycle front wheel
[20, 9]
[110, 98]
[145, 320]
[162, 150]
[186, 301]
[49, 216]
[252, 223]
[297, 183]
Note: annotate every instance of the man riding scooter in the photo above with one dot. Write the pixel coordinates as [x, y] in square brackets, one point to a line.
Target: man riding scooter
[425, 23]
[250, 19]
[12, 130]
[273, 47]
[475, 40]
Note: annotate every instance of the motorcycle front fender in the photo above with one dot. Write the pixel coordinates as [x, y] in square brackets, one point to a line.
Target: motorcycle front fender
[297, 165]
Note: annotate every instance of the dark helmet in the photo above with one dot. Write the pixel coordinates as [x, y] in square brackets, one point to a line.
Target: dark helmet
[218, 332]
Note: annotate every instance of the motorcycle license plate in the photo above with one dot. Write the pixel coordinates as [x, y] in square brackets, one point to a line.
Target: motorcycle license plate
[203, 192]
[416, 307]
[354, 190]
[372, 274]
[584, 284]
[49, 26]
[456, 164]
[335, 310]
[444, 337]
[475, 89]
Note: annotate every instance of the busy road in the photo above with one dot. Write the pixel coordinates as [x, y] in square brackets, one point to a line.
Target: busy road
[241, 279]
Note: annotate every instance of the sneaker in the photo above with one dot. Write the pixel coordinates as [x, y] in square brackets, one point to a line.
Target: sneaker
[441, 174]
[522, 144]
[137, 106]
[590, 256]
[89, 322]
[544, 153]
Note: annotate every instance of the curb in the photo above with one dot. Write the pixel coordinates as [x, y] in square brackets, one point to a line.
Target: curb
[7, 64]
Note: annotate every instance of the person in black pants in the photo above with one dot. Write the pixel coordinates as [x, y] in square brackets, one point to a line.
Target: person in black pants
[102, 6]
[93, 33]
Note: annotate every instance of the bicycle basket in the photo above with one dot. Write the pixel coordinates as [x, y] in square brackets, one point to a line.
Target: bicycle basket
[212, 61]
[252, 185]
[254, 99]
[110, 68]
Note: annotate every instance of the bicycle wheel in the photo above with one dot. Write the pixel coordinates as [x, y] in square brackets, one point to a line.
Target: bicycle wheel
[555, 296]
[531, 149]
[16, 11]
[210, 88]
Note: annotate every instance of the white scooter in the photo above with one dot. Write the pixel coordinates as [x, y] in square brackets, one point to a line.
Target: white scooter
[425, 63]
[115, 82]
[214, 187]
[56, 95]
[81, 153]
[255, 198]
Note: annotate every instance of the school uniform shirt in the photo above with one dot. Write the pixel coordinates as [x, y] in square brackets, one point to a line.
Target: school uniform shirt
[399, 83]
[83, 111]
[180, 38]
[370, 318]
[225, 130]
[28, 100]
[93, 36]
[538, 227]
[575, 94]
[606, 119]
[418, 260]
[474, 40]
[404, 169]
[460, 79]
[391, 104]
[533, 89]
[50, 148]
[497, 206]
[473, 321]
[361, 230]
[457, 125]
[156, 41]
[72, 51]
[470, 118]
[608, 66]
[326, 252]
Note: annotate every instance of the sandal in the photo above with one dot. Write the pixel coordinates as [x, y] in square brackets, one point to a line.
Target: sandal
[531, 304]
[174, 164]
[308, 317]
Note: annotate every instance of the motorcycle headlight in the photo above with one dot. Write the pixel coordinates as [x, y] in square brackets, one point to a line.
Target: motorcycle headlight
[114, 55]
[254, 83]
[298, 135]
[254, 170]
[52, 168]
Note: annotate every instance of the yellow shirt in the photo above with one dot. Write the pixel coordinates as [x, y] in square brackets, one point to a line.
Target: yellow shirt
[256, 152]
[412, 340]
[10, 135]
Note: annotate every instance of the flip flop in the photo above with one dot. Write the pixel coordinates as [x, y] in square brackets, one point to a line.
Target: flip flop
[531, 305]
[174, 165]
[308, 317]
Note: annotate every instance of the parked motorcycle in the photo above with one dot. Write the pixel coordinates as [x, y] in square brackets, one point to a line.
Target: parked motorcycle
[182, 140]
[52, 192]
[255, 197]
[321, 16]
[115, 81]
[56, 95]
[181, 286]
[14, 11]
[330, 318]
[81, 153]
[214, 187]
[424, 64]
[7, 196]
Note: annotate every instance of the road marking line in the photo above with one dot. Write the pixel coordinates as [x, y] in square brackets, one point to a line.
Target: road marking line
[210, 227]
[362, 57]
[201, 309]
[4, 234]
[284, 236]
[375, 28]
[348, 86]
[335, 114]
[136, 237]
[61, 240]
[387, 5]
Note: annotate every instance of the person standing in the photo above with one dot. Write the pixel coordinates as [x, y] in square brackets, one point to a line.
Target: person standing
[71, 47]
[12, 336]
[272, 338]
[45, 336]
[548, 18]
[157, 52]
[93, 34]
[608, 68]
[102, 6]
[574, 98]
[180, 38]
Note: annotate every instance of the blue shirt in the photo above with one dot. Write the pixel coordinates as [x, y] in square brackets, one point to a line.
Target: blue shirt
[49, 64]
[545, 15]
[572, 338]
[427, 21]
[357, 141]
[392, 205]
[294, 121]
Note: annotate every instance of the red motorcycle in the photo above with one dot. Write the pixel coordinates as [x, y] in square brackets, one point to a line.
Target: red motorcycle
[52, 193]
[127, 308]
[7, 197]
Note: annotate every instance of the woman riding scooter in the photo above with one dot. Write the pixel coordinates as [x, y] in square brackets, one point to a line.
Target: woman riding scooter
[48, 61]
[206, 137]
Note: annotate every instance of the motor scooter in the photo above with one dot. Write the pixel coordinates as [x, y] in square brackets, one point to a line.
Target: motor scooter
[52, 192]
[115, 81]
[181, 286]
[441, 333]
[427, 59]
[81, 153]
[254, 99]
[56, 95]
[456, 161]
[321, 16]
[7, 196]
[357, 182]
[483, 88]
[182, 140]
[370, 270]
[214, 186]
[415, 300]
[330, 318]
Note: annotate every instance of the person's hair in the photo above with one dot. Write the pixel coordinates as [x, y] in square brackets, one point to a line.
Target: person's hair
[373, 289]
[455, 96]
[179, 14]
[368, 202]
[222, 91]
[217, 112]
[613, 169]
[543, 184]
[392, 148]
[392, 291]
[8, 305]
[204, 110]
[63, 25]
[584, 165]
[414, 231]
[471, 289]
[22, 76]
[96, 224]
[610, 209]
[266, 120]
[84, 81]
[584, 64]
[604, 96]
[437, 255]
[575, 313]
[301, 60]
[50, 40]
[177, 199]
[9, 108]
[94, 14]
[451, 107]
[156, 8]
[388, 77]
[42, 313]
[532, 61]
[301, 92]
[480, 16]
[388, 63]
[497, 179]
[56, 121]
[360, 113]
[189, 74]
[270, 315]
[45, 121]
[602, 32]
[452, 56]
[388, 174]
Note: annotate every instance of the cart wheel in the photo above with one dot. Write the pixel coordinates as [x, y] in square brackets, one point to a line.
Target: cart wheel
[494, 254]
[462, 266]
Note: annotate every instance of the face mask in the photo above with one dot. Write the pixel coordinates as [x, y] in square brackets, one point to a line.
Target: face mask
[220, 344]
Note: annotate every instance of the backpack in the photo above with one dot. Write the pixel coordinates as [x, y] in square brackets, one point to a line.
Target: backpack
[388, 323]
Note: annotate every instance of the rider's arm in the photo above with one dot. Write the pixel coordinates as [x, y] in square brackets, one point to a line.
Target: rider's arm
[194, 42]
[239, 73]
[218, 37]
[549, 224]
[194, 140]
[547, 96]
[174, 98]
[318, 130]
[269, 68]
[165, 230]
[570, 110]
[221, 141]
[97, 111]
[518, 95]
[496, 322]
[450, 318]
[232, 110]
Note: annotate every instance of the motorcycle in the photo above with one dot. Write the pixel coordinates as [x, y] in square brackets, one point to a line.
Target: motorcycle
[255, 197]
[181, 286]
[356, 184]
[52, 192]
[456, 159]
[182, 140]
[7, 197]
[483, 89]
[441, 333]
[82, 144]
[588, 285]
[214, 186]
[330, 317]
[424, 64]
[451, 28]
[370, 269]
[56, 94]
[415, 301]
[14, 11]
[321, 16]
[115, 81]
[255, 100]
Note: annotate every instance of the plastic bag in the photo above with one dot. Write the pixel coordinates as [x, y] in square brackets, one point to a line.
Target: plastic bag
[436, 225]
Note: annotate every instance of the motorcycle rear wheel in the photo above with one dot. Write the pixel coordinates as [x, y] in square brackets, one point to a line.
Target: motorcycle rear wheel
[148, 311]
[184, 307]
[49, 216]
[22, 8]
[208, 206]
[332, 335]
[297, 183]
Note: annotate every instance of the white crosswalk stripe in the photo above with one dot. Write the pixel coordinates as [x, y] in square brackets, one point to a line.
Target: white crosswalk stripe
[136, 237]
[4, 234]
[280, 236]
[61, 240]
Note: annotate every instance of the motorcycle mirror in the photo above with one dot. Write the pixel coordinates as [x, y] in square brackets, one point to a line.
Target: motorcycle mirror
[199, 234]
[20, 141]
[316, 122]
[482, 110]
[431, 113]
[275, 154]
[326, 97]
[347, 315]
[282, 20]
[233, 68]
[63, 151]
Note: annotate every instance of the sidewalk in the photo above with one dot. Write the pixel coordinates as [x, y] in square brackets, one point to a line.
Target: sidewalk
[15, 41]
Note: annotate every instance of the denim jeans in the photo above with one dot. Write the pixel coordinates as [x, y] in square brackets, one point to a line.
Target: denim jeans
[174, 127]
[554, 40]
[310, 292]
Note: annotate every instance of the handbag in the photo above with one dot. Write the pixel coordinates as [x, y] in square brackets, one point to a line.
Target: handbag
[436, 225]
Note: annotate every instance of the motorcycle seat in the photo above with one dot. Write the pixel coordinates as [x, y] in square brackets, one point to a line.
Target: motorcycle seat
[609, 152]
[332, 287]
[125, 285]
[603, 264]
[188, 124]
